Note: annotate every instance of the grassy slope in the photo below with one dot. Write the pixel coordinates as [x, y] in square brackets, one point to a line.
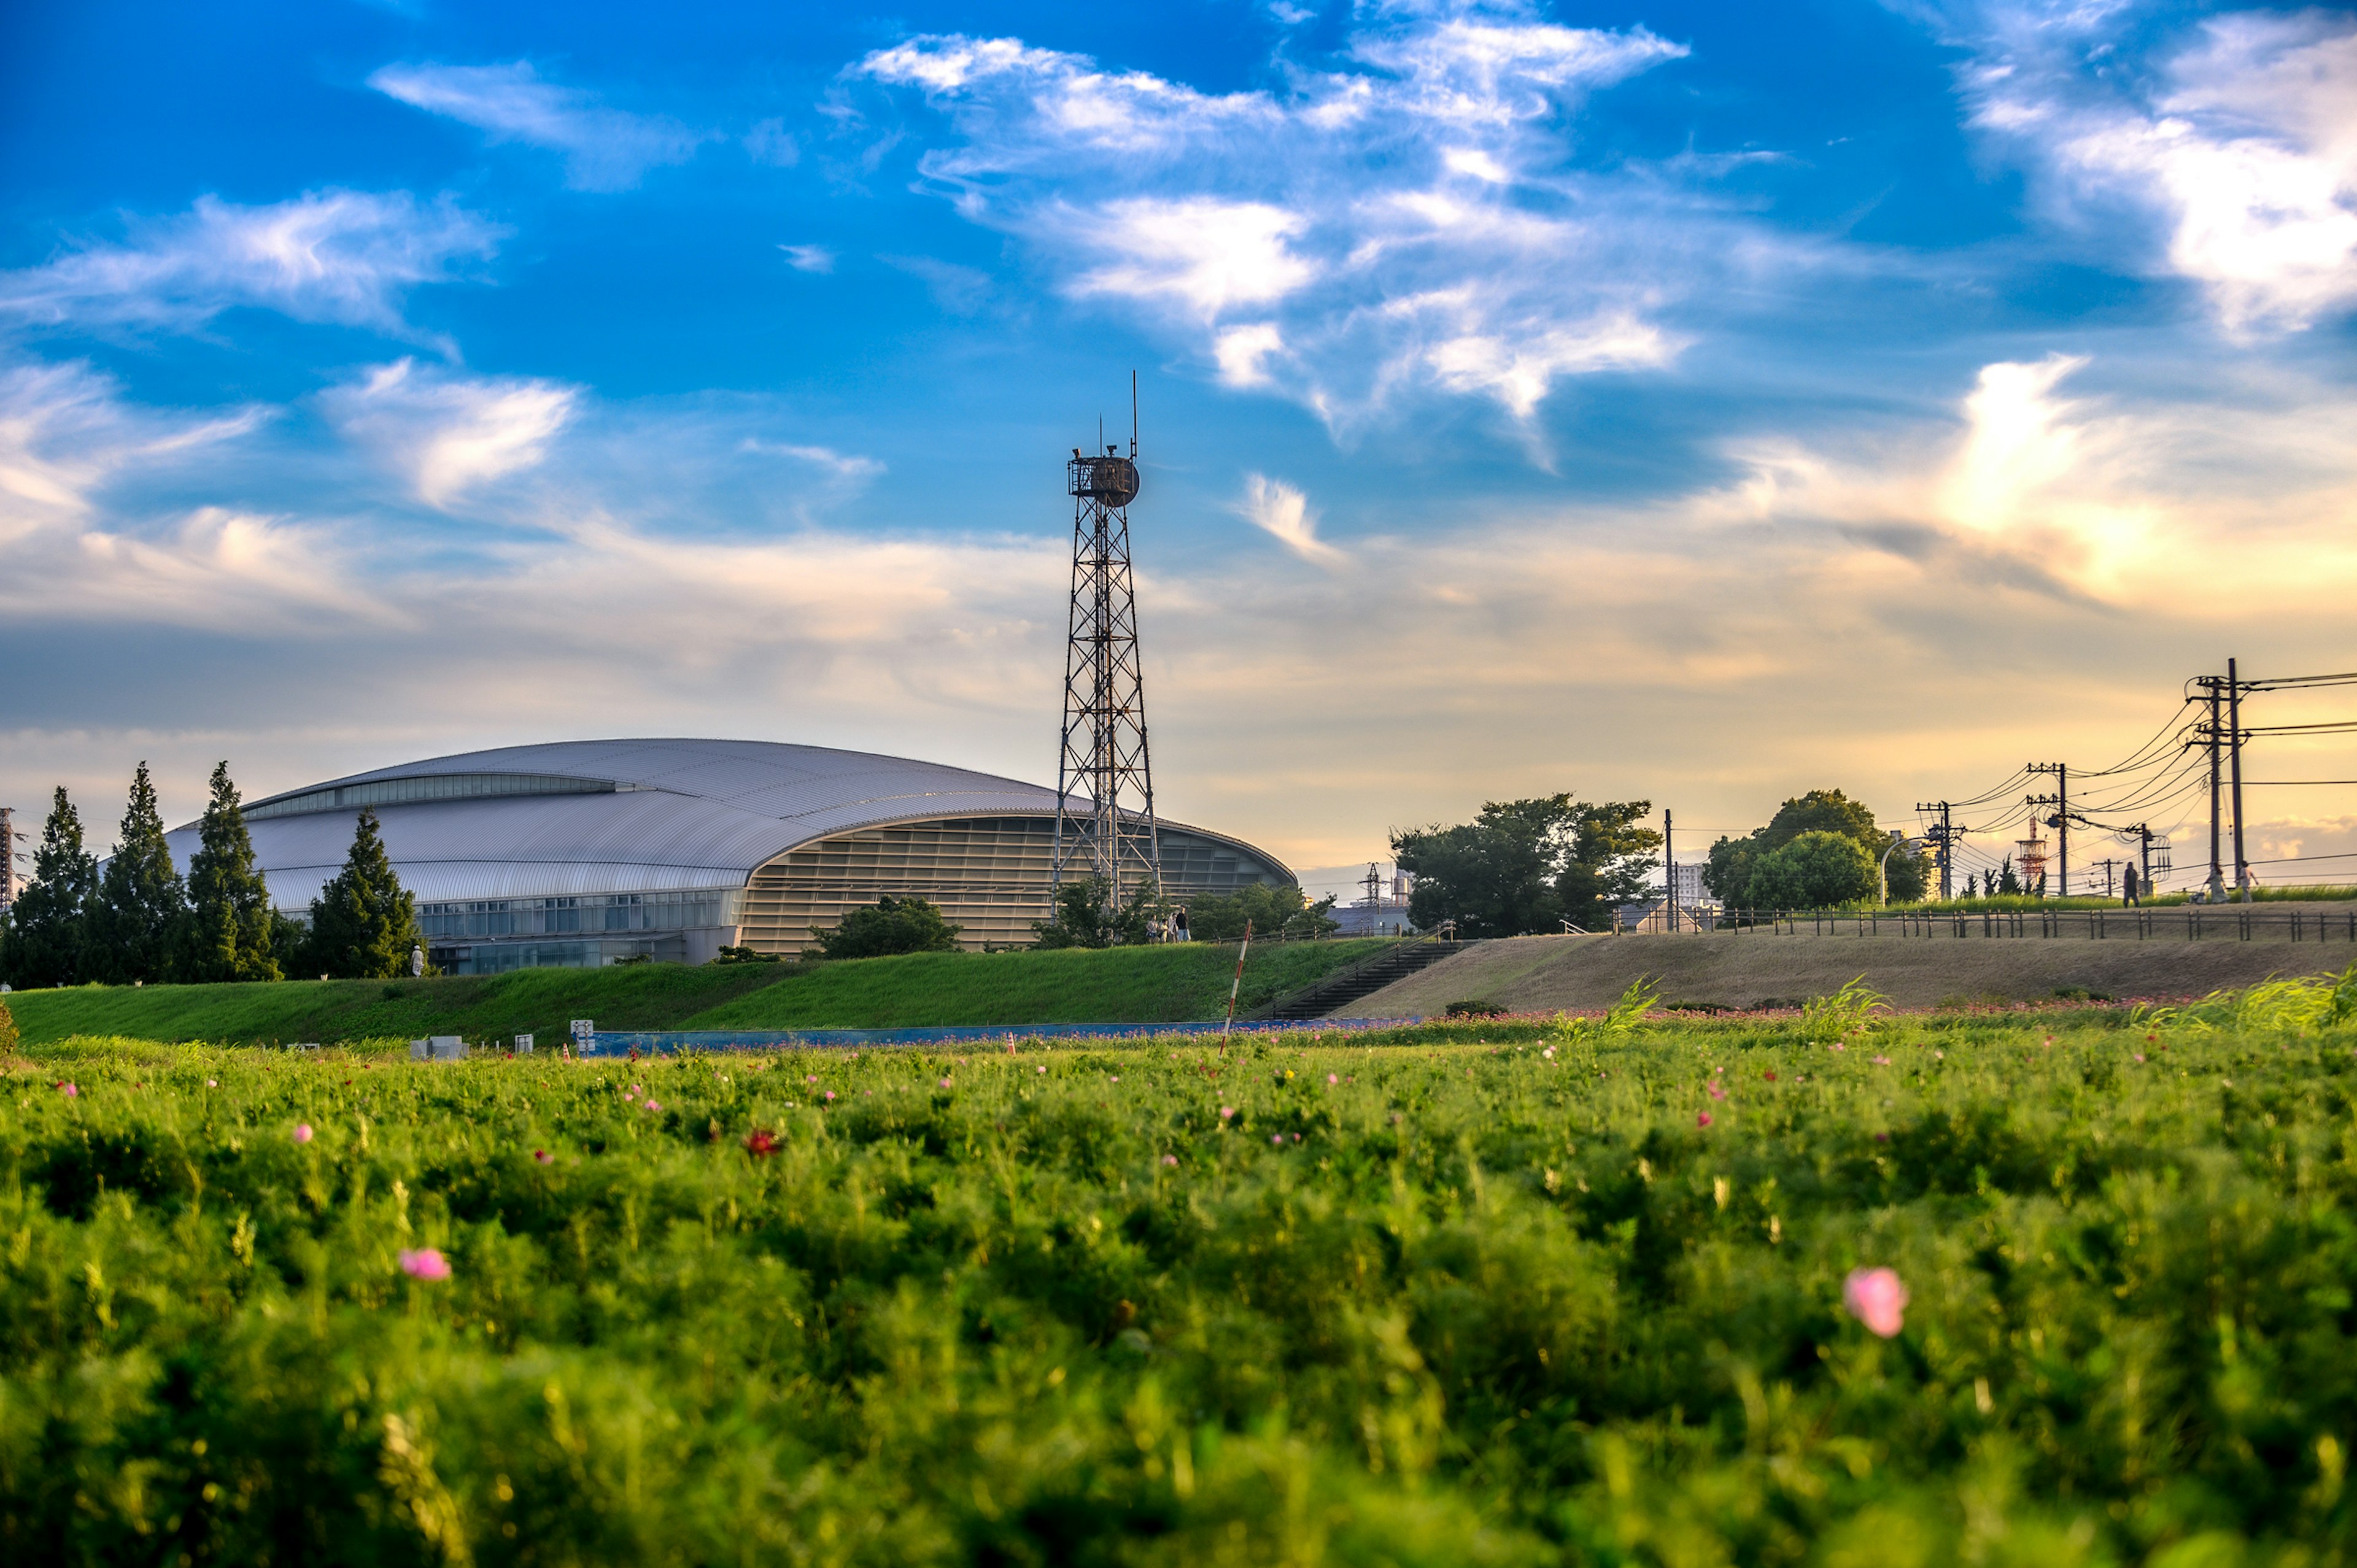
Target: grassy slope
[1138, 985]
[1125, 985]
[534, 1001]
[1542, 973]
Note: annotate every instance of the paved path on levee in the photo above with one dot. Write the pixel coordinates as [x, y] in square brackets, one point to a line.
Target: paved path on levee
[1747, 971]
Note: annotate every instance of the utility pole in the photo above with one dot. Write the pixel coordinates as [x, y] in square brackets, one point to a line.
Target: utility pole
[2145, 835]
[1945, 837]
[2212, 731]
[2109, 865]
[1669, 874]
[2235, 751]
[1374, 883]
[2060, 821]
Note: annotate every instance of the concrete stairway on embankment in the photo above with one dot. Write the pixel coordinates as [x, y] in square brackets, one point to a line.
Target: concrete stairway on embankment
[1333, 995]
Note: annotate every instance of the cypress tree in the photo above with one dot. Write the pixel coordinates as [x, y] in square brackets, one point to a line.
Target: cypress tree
[142, 901]
[49, 939]
[229, 931]
[363, 923]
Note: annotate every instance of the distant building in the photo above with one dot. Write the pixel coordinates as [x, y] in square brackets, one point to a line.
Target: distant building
[1696, 910]
[586, 852]
[1379, 912]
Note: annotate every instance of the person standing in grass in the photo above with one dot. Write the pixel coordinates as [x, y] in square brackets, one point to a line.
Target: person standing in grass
[2133, 887]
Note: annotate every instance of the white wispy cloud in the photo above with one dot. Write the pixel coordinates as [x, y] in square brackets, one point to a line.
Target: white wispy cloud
[605, 148]
[1284, 513]
[809, 258]
[2238, 147]
[341, 256]
[1412, 217]
[447, 433]
[840, 464]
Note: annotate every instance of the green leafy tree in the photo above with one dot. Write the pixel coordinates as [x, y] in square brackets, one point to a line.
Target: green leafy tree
[1818, 869]
[2009, 881]
[142, 902]
[1610, 862]
[1734, 861]
[363, 923]
[1523, 866]
[1271, 910]
[1088, 915]
[7, 1031]
[891, 925]
[49, 935]
[231, 929]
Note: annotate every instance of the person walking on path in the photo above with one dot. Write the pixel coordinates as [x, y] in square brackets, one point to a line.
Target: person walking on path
[2134, 888]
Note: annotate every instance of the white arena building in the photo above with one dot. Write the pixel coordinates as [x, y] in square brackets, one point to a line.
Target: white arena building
[583, 853]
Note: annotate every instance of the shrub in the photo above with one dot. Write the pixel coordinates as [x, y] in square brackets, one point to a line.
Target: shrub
[892, 926]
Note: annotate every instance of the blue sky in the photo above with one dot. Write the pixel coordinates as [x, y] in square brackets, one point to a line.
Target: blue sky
[1703, 403]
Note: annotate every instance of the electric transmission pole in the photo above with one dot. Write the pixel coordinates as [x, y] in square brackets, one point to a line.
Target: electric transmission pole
[2061, 821]
[2212, 732]
[1669, 874]
[1109, 834]
[2235, 756]
[1945, 836]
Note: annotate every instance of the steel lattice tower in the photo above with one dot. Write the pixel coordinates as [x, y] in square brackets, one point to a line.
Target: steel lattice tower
[1104, 781]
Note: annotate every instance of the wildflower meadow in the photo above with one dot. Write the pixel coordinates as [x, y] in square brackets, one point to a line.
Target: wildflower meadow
[1839, 1288]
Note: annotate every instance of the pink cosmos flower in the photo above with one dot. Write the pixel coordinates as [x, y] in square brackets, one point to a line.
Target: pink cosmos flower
[945, 1083]
[69, 1092]
[654, 1104]
[1875, 1298]
[1718, 1089]
[1226, 1111]
[1169, 1159]
[1702, 1118]
[212, 1083]
[302, 1132]
[1331, 1078]
[543, 1156]
[1276, 1137]
[424, 1263]
[1882, 1061]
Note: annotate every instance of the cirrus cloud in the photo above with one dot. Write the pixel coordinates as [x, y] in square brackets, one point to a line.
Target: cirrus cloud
[345, 257]
[2237, 149]
[605, 149]
[1412, 217]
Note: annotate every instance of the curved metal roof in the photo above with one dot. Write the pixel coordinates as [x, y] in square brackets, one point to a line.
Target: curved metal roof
[679, 814]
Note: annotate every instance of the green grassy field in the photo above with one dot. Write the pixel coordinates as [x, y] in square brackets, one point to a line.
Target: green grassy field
[1489, 1294]
[1143, 985]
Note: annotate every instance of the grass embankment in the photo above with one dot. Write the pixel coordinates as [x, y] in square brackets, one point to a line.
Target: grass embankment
[1302, 1302]
[1737, 971]
[1142, 985]
[1146, 985]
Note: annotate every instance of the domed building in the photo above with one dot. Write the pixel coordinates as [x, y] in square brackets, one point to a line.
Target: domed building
[584, 853]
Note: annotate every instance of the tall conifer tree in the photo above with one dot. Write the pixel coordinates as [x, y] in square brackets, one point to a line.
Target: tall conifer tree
[142, 901]
[363, 923]
[49, 932]
[230, 925]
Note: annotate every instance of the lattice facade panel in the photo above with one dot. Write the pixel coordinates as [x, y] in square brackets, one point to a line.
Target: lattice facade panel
[991, 875]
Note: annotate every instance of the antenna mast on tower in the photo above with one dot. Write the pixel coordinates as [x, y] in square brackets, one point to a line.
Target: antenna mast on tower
[1105, 782]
